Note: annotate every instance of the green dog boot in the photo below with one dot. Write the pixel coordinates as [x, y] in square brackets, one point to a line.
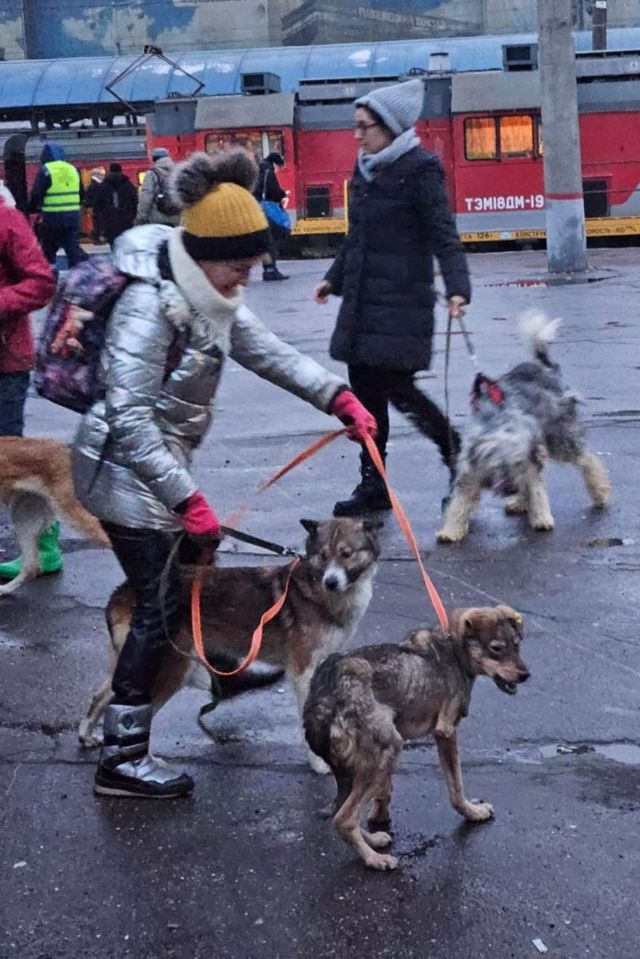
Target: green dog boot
[49, 554]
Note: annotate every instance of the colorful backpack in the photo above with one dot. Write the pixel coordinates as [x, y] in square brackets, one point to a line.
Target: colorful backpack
[68, 360]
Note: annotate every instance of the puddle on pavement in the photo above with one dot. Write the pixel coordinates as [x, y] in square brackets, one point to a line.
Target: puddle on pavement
[626, 753]
[7, 643]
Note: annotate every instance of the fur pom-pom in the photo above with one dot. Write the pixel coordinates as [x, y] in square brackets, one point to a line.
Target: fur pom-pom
[193, 178]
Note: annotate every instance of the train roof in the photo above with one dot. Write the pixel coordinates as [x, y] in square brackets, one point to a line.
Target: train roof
[82, 81]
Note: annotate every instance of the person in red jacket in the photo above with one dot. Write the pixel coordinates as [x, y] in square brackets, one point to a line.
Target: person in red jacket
[26, 283]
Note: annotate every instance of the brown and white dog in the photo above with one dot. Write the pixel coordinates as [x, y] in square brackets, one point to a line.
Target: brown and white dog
[328, 593]
[363, 705]
[37, 486]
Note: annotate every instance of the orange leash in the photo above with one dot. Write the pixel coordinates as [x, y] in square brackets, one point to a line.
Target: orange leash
[256, 639]
[272, 612]
[405, 526]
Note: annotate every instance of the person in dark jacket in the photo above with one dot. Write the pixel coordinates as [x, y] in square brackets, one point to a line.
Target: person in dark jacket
[57, 193]
[26, 283]
[268, 188]
[399, 219]
[97, 176]
[115, 204]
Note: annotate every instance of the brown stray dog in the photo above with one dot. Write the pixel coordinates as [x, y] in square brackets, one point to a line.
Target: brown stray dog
[37, 486]
[362, 706]
[328, 593]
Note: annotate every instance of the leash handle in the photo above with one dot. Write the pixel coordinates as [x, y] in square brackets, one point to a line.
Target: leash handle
[256, 638]
[405, 526]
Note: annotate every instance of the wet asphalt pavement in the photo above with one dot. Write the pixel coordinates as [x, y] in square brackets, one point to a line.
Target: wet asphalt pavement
[246, 867]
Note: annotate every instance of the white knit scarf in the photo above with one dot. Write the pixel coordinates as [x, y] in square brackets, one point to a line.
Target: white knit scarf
[370, 164]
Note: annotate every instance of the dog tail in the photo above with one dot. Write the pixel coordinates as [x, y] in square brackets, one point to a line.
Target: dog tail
[538, 331]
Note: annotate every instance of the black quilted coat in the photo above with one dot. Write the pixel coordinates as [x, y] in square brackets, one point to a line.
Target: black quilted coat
[384, 270]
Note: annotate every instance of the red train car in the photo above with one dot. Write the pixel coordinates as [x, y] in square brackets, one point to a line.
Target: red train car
[498, 147]
[485, 127]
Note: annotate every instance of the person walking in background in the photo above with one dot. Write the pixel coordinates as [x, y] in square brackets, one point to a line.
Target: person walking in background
[115, 204]
[57, 194]
[26, 283]
[96, 177]
[268, 191]
[154, 203]
[399, 219]
[163, 356]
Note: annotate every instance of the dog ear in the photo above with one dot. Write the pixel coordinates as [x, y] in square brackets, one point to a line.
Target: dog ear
[513, 616]
[464, 622]
[311, 526]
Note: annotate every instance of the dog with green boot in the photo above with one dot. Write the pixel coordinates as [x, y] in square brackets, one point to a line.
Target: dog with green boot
[26, 283]
[49, 555]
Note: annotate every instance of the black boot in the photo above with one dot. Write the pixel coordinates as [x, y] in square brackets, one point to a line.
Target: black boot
[369, 495]
[271, 272]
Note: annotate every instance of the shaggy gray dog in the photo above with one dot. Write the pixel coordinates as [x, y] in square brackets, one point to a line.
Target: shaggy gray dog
[513, 431]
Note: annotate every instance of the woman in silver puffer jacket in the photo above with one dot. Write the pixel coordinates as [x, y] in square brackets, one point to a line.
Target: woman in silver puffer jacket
[166, 342]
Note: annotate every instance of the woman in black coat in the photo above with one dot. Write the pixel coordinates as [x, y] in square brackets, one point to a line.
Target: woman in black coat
[399, 219]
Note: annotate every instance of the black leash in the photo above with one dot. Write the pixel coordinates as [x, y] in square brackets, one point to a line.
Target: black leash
[262, 543]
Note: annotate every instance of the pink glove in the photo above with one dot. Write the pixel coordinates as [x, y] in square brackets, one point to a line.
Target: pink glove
[358, 420]
[199, 520]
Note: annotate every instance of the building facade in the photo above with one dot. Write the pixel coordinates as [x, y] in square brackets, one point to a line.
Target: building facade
[48, 29]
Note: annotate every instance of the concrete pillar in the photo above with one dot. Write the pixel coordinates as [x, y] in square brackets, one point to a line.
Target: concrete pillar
[566, 237]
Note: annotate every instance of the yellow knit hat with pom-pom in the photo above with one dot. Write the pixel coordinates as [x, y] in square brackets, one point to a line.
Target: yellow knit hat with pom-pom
[221, 218]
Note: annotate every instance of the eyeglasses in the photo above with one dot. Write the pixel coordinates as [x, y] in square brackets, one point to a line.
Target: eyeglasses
[361, 127]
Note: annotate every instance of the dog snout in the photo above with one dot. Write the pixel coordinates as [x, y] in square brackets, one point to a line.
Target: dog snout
[523, 675]
[335, 579]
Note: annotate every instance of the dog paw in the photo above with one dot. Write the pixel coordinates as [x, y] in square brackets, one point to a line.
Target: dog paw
[318, 765]
[449, 536]
[515, 507]
[543, 524]
[478, 811]
[87, 739]
[382, 862]
[379, 824]
[378, 840]
[600, 498]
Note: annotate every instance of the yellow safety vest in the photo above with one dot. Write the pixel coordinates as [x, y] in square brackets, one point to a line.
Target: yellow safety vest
[64, 193]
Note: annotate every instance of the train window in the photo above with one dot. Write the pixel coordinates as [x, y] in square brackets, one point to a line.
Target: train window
[480, 139]
[318, 201]
[257, 144]
[516, 136]
[217, 142]
[596, 198]
[272, 142]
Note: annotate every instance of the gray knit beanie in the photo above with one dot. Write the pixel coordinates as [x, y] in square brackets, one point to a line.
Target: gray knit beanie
[399, 106]
[159, 153]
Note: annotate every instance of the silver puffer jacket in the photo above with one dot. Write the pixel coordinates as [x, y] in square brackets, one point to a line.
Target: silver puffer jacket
[132, 453]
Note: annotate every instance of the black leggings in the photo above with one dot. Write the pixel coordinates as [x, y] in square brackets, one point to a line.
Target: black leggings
[376, 388]
[143, 555]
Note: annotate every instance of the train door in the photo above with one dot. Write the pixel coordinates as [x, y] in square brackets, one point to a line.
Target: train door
[435, 128]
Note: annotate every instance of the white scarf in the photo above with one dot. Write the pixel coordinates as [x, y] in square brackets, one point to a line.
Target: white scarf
[370, 164]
